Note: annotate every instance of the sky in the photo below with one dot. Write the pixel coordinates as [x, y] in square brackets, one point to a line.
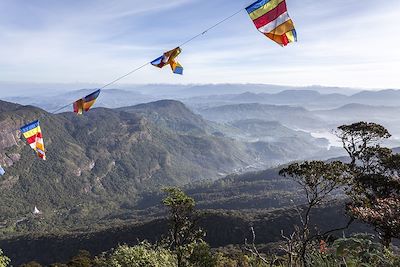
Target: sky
[349, 43]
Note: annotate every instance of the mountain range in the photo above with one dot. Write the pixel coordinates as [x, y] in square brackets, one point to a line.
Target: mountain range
[99, 164]
[313, 97]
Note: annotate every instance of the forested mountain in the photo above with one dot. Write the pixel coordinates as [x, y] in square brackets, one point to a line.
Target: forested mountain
[101, 160]
[99, 163]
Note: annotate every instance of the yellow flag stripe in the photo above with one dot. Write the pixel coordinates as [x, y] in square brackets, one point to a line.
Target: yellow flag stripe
[32, 132]
[265, 9]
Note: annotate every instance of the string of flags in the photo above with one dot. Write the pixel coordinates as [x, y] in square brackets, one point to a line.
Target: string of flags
[33, 133]
[270, 17]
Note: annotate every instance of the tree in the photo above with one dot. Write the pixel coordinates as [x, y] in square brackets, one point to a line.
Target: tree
[318, 180]
[374, 184]
[184, 234]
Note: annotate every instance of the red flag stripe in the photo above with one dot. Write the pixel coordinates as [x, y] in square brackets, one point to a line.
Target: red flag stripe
[271, 15]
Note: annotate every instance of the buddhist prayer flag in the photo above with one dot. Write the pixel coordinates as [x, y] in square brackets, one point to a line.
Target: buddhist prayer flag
[2, 171]
[272, 19]
[33, 136]
[84, 104]
[169, 58]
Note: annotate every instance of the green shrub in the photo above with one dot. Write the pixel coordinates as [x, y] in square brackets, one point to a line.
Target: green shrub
[31, 264]
[4, 261]
[83, 259]
[142, 255]
[202, 256]
[358, 250]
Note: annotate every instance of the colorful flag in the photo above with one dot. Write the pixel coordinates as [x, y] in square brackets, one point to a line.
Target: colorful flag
[2, 171]
[272, 19]
[33, 136]
[169, 58]
[84, 104]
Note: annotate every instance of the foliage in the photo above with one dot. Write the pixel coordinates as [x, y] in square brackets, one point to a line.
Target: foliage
[202, 256]
[237, 260]
[224, 261]
[362, 250]
[317, 178]
[142, 255]
[357, 137]
[358, 250]
[31, 264]
[83, 259]
[4, 261]
[317, 259]
[382, 212]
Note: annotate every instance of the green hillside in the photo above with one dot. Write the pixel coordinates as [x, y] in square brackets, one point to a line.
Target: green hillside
[109, 165]
[97, 163]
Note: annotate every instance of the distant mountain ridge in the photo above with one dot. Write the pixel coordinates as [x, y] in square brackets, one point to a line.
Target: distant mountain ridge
[109, 98]
[312, 97]
[305, 98]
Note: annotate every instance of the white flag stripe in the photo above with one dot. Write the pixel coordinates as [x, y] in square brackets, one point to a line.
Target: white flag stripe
[274, 24]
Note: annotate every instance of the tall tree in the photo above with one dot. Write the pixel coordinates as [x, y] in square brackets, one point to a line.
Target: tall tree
[318, 180]
[374, 186]
[184, 233]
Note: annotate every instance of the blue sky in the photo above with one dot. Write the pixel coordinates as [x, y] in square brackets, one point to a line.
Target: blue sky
[341, 42]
